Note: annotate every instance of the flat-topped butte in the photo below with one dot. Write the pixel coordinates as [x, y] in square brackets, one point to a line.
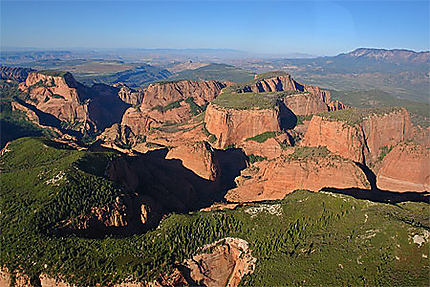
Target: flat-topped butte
[52, 73]
[354, 116]
[247, 101]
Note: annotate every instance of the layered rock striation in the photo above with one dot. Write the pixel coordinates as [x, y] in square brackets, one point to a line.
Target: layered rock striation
[405, 168]
[359, 135]
[306, 168]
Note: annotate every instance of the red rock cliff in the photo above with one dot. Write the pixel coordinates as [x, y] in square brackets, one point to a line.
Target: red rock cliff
[231, 126]
[60, 96]
[270, 180]
[405, 168]
[360, 140]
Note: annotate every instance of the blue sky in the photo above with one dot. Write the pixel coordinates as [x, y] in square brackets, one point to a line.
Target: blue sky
[314, 27]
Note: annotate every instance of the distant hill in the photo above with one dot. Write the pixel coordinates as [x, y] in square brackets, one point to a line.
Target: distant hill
[136, 77]
[391, 56]
[14, 73]
[218, 72]
[403, 74]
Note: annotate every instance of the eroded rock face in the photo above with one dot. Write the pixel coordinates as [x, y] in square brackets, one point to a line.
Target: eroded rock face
[119, 136]
[14, 73]
[185, 97]
[61, 96]
[269, 149]
[361, 142]
[309, 99]
[129, 95]
[222, 263]
[270, 180]
[198, 157]
[405, 168]
[232, 126]
[166, 93]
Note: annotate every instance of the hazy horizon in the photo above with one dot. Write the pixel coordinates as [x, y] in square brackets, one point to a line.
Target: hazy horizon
[315, 28]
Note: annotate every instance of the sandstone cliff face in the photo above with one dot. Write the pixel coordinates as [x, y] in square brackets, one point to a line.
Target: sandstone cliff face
[118, 136]
[185, 96]
[127, 215]
[222, 263]
[269, 148]
[166, 93]
[361, 142]
[305, 104]
[198, 157]
[60, 96]
[405, 168]
[270, 180]
[232, 126]
[309, 100]
[129, 95]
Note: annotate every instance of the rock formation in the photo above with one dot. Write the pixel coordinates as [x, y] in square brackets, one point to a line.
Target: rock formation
[306, 101]
[14, 73]
[222, 263]
[231, 126]
[316, 169]
[358, 135]
[172, 102]
[129, 95]
[60, 95]
[78, 107]
[198, 157]
[405, 168]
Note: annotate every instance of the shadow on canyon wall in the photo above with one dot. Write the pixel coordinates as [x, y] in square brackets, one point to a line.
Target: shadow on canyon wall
[161, 186]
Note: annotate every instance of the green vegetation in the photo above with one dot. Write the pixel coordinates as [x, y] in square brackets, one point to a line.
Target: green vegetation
[56, 96]
[217, 72]
[269, 75]
[355, 116]
[52, 73]
[315, 239]
[14, 123]
[194, 108]
[230, 146]
[305, 152]
[211, 137]
[302, 119]
[419, 111]
[383, 151]
[261, 138]
[170, 106]
[246, 101]
[252, 158]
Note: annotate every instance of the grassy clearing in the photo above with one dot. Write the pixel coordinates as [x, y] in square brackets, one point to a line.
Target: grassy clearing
[246, 101]
[252, 158]
[168, 107]
[356, 116]
[261, 138]
[306, 152]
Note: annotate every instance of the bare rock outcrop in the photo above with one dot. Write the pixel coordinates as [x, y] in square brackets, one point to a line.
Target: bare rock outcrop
[167, 92]
[359, 135]
[198, 157]
[308, 99]
[129, 95]
[60, 95]
[405, 168]
[270, 180]
[170, 102]
[232, 126]
[222, 263]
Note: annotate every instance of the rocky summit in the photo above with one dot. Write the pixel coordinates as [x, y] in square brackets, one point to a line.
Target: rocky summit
[208, 183]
